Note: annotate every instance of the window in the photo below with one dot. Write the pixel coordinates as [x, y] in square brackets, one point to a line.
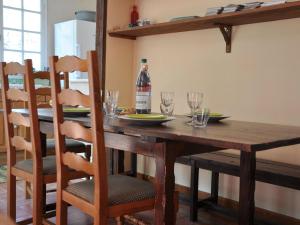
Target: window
[22, 31]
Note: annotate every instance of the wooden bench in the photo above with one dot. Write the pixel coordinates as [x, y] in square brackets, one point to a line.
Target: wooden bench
[276, 173]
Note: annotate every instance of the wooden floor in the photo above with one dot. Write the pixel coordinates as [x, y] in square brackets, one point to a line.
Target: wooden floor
[78, 218]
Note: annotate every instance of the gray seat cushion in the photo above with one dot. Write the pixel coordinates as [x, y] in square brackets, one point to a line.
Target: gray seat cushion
[121, 190]
[70, 143]
[49, 165]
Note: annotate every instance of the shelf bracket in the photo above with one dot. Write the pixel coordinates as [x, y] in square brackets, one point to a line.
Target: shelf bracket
[226, 30]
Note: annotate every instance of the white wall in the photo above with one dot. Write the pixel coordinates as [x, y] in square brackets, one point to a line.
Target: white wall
[119, 52]
[62, 10]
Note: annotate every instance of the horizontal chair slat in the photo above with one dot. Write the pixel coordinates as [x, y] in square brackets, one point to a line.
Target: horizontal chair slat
[18, 119]
[43, 91]
[73, 98]
[21, 144]
[14, 68]
[44, 106]
[71, 64]
[76, 131]
[77, 162]
[43, 75]
[17, 95]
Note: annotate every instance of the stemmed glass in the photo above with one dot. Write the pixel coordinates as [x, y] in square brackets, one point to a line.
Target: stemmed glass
[111, 102]
[194, 100]
[167, 103]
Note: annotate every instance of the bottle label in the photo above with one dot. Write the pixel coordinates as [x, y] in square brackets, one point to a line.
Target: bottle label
[143, 100]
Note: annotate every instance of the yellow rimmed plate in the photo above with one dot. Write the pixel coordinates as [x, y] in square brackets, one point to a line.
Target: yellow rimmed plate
[146, 119]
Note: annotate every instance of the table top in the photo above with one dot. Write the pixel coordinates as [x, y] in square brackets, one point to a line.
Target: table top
[245, 136]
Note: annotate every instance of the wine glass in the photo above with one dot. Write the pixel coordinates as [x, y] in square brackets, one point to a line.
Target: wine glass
[167, 103]
[194, 100]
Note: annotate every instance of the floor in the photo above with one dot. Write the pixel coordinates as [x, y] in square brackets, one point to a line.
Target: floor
[78, 218]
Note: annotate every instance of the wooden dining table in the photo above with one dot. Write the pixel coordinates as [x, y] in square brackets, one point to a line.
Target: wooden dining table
[174, 139]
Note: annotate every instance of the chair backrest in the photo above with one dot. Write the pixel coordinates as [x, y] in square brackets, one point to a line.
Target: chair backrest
[11, 95]
[45, 92]
[63, 128]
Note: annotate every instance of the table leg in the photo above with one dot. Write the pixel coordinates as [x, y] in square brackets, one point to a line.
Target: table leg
[133, 163]
[165, 185]
[247, 188]
[118, 161]
[111, 161]
[43, 138]
[194, 192]
[214, 187]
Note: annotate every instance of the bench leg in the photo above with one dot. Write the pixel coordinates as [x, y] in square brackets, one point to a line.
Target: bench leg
[194, 192]
[214, 187]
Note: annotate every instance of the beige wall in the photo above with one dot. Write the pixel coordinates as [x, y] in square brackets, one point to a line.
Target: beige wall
[258, 81]
[119, 53]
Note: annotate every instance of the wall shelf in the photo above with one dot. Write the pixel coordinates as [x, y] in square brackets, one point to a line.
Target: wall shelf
[224, 22]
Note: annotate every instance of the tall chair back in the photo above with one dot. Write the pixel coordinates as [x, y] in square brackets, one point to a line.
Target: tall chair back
[12, 119]
[75, 130]
[45, 92]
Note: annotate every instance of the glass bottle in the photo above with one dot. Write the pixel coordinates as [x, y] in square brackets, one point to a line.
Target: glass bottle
[134, 16]
[143, 90]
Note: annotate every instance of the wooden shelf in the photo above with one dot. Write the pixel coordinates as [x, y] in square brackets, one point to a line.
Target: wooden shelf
[222, 21]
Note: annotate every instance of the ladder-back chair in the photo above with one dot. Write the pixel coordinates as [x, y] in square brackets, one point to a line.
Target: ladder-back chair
[104, 196]
[38, 170]
[43, 97]
[45, 93]
[31, 173]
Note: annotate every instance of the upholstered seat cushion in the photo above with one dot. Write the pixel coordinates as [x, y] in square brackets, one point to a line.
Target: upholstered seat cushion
[70, 143]
[49, 165]
[121, 190]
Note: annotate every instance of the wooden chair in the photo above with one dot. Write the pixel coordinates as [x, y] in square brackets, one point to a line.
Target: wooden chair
[38, 170]
[43, 96]
[5, 220]
[45, 93]
[104, 196]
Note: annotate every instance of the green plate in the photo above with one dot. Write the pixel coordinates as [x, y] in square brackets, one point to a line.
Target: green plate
[147, 116]
[79, 109]
[211, 115]
[76, 112]
[146, 119]
[214, 117]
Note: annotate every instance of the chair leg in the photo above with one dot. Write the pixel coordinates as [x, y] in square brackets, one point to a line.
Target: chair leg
[28, 193]
[215, 187]
[176, 203]
[100, 220]
[120, 220]
[11, 196]
[61, 209]
[44, 198]
[37, 198]
[194, 192]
